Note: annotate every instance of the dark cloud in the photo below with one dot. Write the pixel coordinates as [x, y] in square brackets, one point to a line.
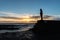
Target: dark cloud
[45, 16]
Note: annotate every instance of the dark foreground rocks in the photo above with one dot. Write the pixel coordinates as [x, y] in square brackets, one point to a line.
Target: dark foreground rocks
[25, 35]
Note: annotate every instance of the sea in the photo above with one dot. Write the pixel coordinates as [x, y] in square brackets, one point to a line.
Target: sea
[22, 27]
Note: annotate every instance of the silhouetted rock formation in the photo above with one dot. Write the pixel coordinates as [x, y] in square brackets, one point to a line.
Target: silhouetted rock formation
[47, 29]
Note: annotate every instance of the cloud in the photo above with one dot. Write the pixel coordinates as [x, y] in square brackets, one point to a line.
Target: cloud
[9, 14]
[19, 15]
[25, 17]
[56, 18]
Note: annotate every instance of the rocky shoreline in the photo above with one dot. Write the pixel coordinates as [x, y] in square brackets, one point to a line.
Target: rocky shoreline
[24, 35]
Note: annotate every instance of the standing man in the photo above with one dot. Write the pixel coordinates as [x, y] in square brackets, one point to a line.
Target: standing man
[41, 14]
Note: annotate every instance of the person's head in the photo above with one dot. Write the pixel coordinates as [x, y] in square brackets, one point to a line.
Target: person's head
[40, 9]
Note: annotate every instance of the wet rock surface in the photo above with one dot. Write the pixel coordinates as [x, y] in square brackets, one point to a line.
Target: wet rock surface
[25, 35]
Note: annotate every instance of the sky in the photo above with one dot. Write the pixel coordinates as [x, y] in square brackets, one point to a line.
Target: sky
[29, 7]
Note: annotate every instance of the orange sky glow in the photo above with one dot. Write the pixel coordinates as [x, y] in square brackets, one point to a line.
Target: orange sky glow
[24, 19]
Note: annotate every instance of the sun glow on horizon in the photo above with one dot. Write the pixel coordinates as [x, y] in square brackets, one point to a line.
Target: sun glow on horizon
[24, 19]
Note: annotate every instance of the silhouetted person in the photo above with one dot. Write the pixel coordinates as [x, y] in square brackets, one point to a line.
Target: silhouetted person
[41, 14]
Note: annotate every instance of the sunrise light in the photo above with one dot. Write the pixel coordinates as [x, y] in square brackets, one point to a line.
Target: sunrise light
[23, 19]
